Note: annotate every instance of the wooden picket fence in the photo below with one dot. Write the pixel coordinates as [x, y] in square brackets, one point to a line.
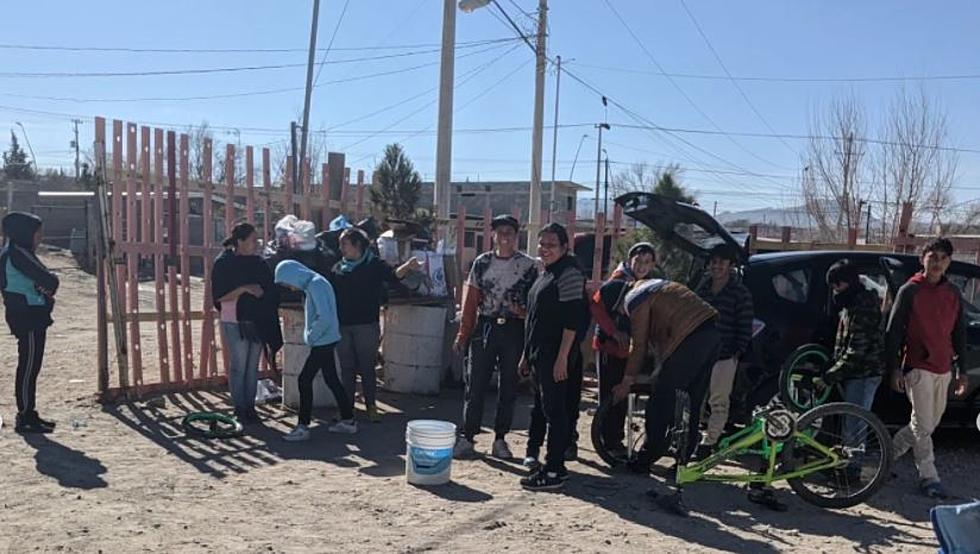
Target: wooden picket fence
[150, 211]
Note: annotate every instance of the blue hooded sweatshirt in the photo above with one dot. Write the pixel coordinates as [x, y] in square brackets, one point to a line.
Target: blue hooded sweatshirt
[322, 328]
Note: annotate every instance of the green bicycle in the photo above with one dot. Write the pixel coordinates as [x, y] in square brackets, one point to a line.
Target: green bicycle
[836, 455]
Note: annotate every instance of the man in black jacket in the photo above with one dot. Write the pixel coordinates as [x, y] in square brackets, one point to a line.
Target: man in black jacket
[28, 290]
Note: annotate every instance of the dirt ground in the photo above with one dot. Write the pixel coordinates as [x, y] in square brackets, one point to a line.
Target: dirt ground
[124, 478]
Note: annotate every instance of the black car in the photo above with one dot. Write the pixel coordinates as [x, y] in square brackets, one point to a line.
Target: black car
[793, 303]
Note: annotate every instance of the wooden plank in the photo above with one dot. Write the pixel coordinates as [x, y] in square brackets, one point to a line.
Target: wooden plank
[600, 232]
[102, 326]
[146, 217]
[288, 206]
[359, 210]
[487, 229]
[132, 260]
[305, 193]
[172, 241]
[460, 242]
[118, 192]
[159, 262]
[325, 194]
[267, 187]
[617, 225]
[185, 259]
[145, 317]
[250, 184]
[229, 188]
[207, 360]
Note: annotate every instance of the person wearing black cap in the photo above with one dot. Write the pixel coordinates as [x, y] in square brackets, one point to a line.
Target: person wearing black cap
[493, 310]
[28, 290]
[733, 301]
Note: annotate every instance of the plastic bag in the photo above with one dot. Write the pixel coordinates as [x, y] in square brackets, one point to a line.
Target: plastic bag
[267, 391]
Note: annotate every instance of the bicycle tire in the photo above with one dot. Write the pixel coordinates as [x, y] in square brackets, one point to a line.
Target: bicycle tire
[220, 426]
[598, 441]
[819, 416]
[792, 373]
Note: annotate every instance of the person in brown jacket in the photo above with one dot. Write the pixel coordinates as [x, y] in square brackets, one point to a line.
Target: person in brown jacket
[679, 327]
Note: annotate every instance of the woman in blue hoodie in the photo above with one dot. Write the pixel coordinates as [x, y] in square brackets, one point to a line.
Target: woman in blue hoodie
[321, 334]
[28, 289]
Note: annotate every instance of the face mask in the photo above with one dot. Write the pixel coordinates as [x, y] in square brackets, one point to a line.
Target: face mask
[845, 298]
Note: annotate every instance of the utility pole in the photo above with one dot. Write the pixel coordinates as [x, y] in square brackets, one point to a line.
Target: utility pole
[598, 167]
[605, 194]
[554, 143]
[74, 144]
[537, 135]
[293, 167]
[444, 138]
[29, 147]
[309, 94]
[867, 225]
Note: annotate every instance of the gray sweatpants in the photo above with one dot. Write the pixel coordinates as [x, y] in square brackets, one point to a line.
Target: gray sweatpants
[359, 355]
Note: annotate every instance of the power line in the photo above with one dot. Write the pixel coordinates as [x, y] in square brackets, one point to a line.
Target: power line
[248, 93]
[674, 83]
[333, 37]
[462, 44]
[737, 86]
[777, 79]
[207, 70]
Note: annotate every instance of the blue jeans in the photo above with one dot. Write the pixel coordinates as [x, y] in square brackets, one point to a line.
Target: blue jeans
[860, 392]
[244, 371]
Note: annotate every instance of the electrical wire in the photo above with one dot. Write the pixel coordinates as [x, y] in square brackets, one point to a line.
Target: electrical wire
[464, 44]
[775, 79]
[333, 37]
[677, 86]
[737, 86]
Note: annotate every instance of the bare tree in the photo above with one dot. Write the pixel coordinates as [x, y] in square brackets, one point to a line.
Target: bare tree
[914, 166]
[196, 137]
[832, 170]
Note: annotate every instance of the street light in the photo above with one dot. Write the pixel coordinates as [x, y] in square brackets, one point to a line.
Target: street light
[29, 147]
[470, 6]
[571, 176]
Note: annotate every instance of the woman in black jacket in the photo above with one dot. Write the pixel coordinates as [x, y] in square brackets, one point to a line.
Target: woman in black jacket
[246, 297]
[359, 281]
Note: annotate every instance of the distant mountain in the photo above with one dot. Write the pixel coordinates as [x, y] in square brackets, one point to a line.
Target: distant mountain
[795, 216]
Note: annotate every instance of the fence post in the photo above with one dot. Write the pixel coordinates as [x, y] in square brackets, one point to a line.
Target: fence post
[229, 188]
[132, 255]
[185, 257]
[598, 249]
[250, 184]
[158, 259]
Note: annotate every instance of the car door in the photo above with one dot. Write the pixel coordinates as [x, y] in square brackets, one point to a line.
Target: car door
[966, 277]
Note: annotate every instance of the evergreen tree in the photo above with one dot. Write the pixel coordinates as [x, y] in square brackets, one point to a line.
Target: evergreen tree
[397, 187]
[15, 162]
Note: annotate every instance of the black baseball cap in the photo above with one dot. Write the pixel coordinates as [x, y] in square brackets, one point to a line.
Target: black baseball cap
[505, 220]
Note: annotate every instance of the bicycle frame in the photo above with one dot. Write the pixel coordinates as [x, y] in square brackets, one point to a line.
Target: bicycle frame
[752, 436]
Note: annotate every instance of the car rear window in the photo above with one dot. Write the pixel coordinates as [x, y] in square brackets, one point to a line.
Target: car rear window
[793, 286]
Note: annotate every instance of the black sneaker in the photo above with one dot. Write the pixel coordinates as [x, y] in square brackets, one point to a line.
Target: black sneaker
[571, 453]
[543, 481]
[43, 422]
[29, 425]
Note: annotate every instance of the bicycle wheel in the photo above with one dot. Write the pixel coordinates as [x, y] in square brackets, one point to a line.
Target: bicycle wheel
[619, 453]
[860, 441]
[798, 388]
[211, 425]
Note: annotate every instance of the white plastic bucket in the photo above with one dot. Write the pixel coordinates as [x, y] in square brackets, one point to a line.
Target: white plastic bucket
[429, 451]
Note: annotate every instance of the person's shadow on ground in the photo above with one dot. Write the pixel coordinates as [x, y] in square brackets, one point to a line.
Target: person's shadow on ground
[72, 468]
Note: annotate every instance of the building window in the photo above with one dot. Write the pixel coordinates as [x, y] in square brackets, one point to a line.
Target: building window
[468, 239]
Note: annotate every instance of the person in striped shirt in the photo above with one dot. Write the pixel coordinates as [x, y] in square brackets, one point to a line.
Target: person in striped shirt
[733, 301]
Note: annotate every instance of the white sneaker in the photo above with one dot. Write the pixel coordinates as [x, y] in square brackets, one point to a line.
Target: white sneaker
[500, 450]
[347, 427]
[299, 434]
[464, 448]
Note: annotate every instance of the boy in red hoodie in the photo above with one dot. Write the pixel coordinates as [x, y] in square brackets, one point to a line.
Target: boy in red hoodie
[926, 333]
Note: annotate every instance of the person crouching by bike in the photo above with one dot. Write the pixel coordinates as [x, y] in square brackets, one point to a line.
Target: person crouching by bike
[733, 301]
[680, 327]
[556, 315]
[612, 340]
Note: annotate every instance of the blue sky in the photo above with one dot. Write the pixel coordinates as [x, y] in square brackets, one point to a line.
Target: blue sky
[827, 39]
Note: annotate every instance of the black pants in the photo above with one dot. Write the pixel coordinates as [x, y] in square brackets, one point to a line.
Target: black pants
[30, 355]
[493, 346]
[321, 359]
[687, 369]
[611, 371]
[556, 410]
